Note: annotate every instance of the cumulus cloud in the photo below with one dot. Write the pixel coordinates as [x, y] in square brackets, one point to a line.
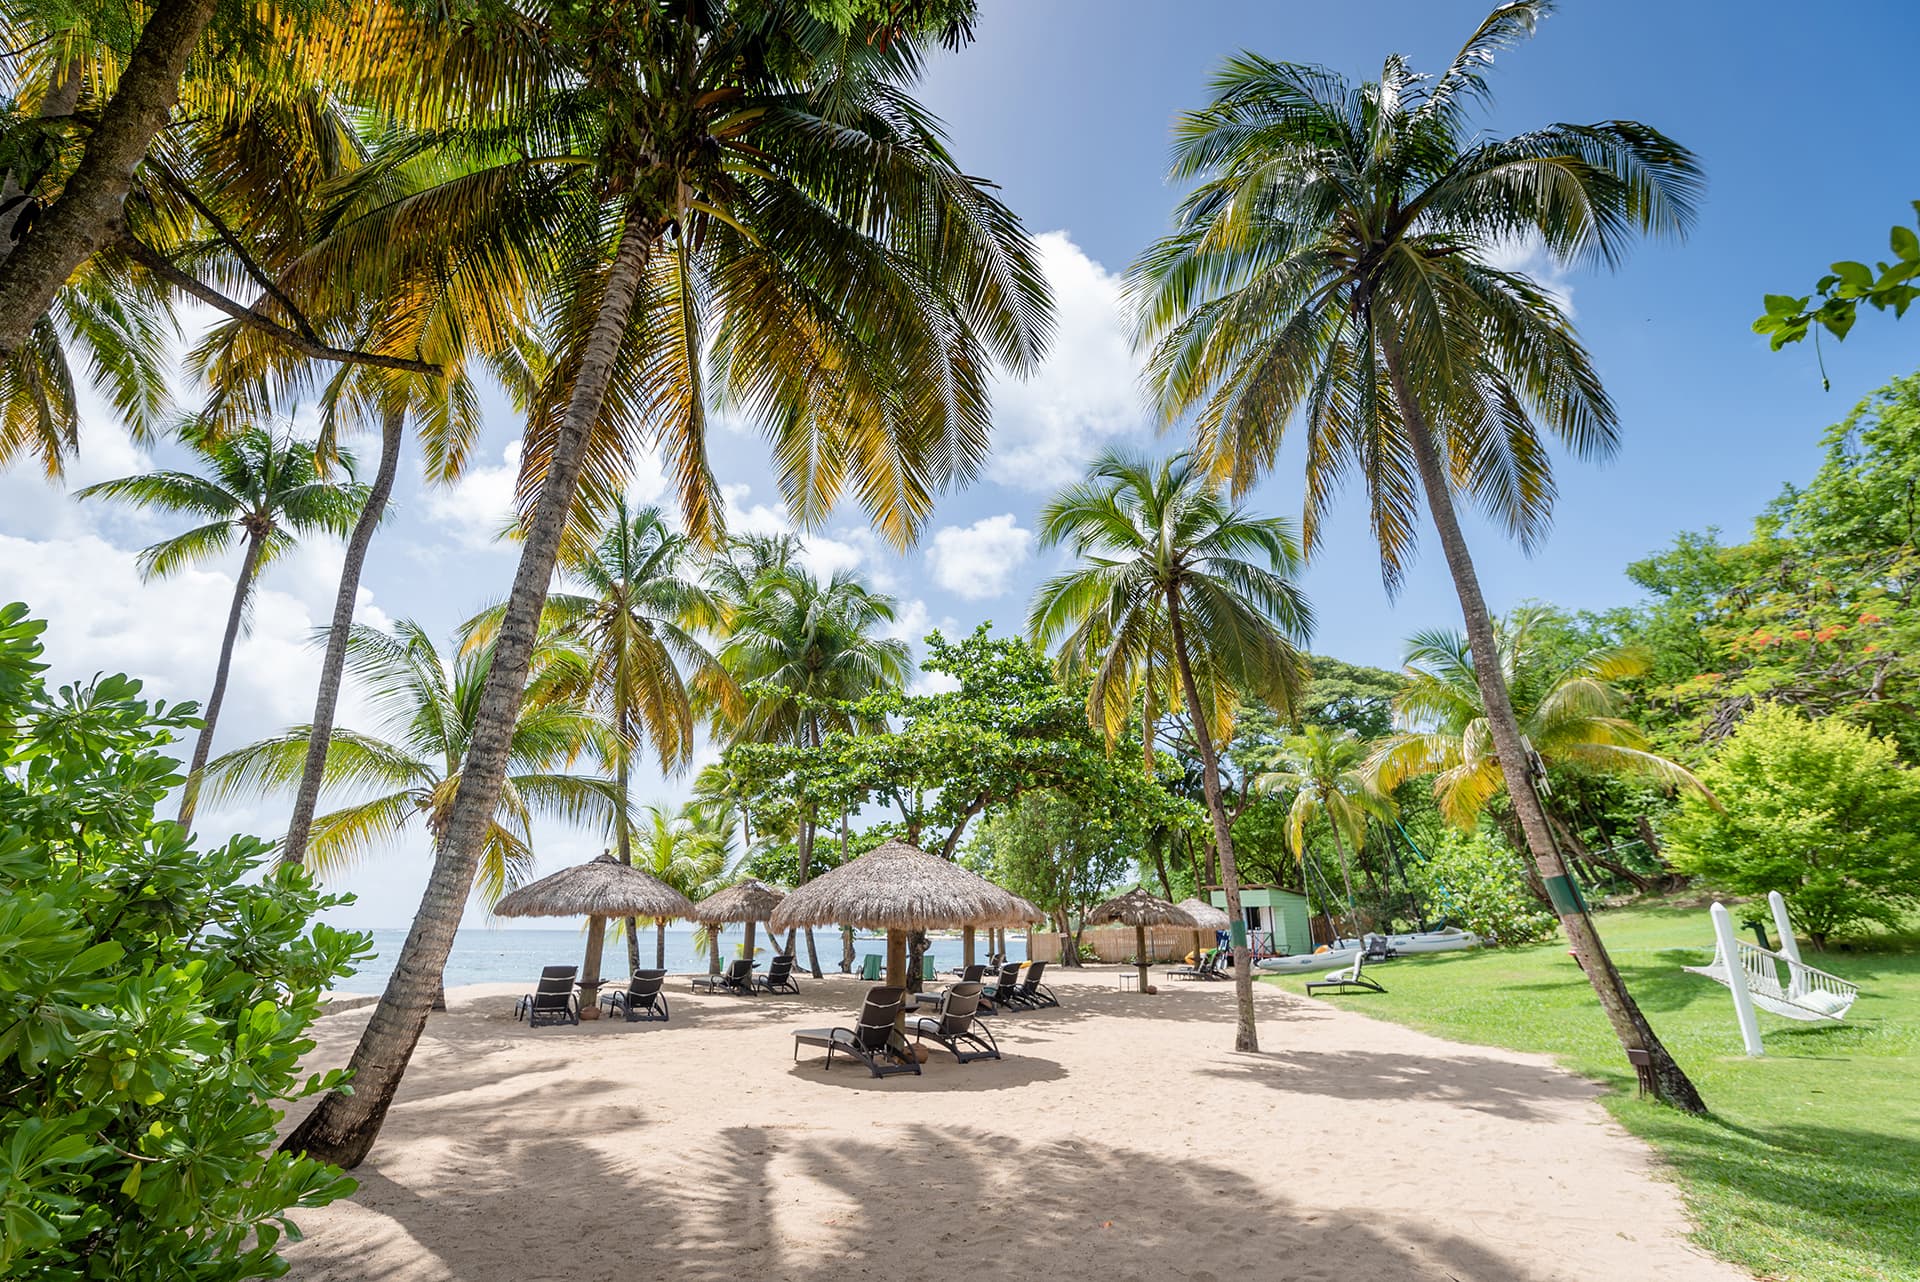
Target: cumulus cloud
[1086, 396]
[1529, 257]
[977, 561]
[823, 554]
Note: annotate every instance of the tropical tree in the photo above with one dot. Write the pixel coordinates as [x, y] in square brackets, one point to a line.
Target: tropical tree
[636, 619]
[1337, 256]
[801, 650]
[260, 490]
[1175, 577]
[1325, 771]
[789, 231]
[1570, 711]
[404, 777]
[690, 857]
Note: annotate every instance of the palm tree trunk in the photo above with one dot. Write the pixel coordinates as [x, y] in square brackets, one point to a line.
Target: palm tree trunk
[87, 214]
[242, 586]
[1346, 871]
[623, 846]
[1245, 1037]
[659, 944]
[327, 700]
[714, 966]
[341, 1129]
[1670, 1082]
[806, 863]
[846, 932]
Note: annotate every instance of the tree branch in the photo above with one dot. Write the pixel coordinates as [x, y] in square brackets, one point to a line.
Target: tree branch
[232, 242]
[163, 267]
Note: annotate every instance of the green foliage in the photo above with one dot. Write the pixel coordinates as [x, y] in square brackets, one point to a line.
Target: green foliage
[1054, 852]
[1817, 610]
[154, 1001]
[1885, 285]
[1820, 811]
[1476, 880]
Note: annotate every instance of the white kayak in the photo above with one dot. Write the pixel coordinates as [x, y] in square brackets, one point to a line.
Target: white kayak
[1426, 941]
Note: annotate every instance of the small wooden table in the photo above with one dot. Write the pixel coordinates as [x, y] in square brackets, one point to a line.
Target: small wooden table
[1129, 981]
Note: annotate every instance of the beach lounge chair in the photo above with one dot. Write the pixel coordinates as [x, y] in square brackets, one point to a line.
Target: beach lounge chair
[779, 977]
[553, 1000]
[874, 1040]
[642, 998]
[971, 975]
[955, 1025]
[1348, 977]
[1031, 992]
[993, 995]
[1208, 967]
[736, 978]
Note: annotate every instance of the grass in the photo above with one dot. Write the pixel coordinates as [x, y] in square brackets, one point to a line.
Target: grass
[1808, 1168]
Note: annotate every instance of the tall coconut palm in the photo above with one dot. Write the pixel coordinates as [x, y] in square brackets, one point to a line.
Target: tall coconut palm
[727, 195]
[407, 774]
[1338, 256]
[1174, 577]
[259, 490]
[687, 855]
[800, 649]
[1570, 712]
[1326, 771]
[636, 618]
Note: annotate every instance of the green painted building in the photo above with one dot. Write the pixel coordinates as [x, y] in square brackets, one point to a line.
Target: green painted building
[1276, 919]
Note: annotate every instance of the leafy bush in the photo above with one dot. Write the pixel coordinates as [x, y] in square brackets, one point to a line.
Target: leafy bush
[153, 1006]
[1821, 811]
[1478, 882]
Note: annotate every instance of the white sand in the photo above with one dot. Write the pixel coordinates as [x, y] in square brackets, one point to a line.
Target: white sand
[1120, 1139]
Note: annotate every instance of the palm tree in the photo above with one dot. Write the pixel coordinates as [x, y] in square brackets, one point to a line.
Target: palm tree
[406, 776]
[741, 196]
[1175, 578]
[801, 650]
[1570, 714]
[683, 853]
[259, 489]
[646, 668]
[1336, 256]
[1325, 769]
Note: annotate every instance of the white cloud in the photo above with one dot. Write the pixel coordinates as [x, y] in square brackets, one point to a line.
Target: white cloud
[478, 506]
[1086, 395]
[976, 561]
[1529, 257]
[822, 554]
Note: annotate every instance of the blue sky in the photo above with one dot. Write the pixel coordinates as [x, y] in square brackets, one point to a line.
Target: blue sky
[1810, 154]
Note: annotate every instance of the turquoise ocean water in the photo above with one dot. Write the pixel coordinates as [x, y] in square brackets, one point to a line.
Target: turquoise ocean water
[482, 956]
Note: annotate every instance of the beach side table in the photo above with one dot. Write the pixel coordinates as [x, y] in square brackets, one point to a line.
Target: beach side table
[1129, 981]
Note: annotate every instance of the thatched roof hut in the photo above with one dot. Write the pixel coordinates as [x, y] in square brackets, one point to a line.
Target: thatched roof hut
[1140, 910]
[746, 901]
[598, 889]
[897, 888]
[1205, 915]
[602, 887]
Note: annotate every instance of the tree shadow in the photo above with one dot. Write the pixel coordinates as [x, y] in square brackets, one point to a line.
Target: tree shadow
[1496, 1086]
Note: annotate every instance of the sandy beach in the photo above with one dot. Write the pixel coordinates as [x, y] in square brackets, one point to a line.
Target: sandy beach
[1120, 1139]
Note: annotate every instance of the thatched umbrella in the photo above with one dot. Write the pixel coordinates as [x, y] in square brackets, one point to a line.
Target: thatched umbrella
[599, 889]
[1205, 917]
[899, 889]
[1140, 910]
[746, 901]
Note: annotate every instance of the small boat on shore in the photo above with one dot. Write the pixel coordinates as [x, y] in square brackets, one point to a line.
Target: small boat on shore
[1341, 952]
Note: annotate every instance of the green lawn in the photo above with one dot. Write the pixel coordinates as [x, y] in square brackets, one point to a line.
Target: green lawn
[1809, 1167]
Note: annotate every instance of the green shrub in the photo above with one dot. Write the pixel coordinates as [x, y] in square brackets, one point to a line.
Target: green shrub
[154, 1005]
[1477, 881]
[1821, 811]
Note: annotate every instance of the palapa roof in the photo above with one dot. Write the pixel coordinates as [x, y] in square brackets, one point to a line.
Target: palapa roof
[1205, 915]
[602, 887]
[896, 887]
[1138, 908]
[749, 900]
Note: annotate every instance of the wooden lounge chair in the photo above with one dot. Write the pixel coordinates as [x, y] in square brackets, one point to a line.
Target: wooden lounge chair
[736, 978]
[779, 977]
[955, 1026]
[642, 998]
[1032, 993]
[995, 996]
[553, 1000]
[874, 1040]
[1348, 977]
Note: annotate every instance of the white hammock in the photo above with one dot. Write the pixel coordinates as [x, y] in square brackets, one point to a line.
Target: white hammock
[1810, 994]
